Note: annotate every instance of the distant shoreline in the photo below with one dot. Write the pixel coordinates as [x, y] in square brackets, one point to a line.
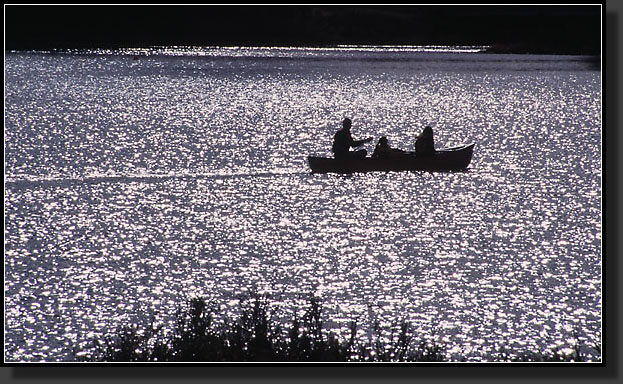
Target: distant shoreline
[534, 29]
[511, 49]
[539, 50]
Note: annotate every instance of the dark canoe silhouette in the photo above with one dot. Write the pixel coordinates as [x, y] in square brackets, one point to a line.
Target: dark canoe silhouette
[449, 159]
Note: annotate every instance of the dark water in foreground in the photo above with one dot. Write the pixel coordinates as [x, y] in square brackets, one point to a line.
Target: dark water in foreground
[133, 184]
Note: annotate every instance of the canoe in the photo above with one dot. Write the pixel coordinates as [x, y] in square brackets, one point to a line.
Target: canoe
[449, 159]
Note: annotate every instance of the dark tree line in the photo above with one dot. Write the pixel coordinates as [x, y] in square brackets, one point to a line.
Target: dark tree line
[554, 29]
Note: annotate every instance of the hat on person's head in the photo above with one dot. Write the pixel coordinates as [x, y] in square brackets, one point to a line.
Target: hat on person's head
[428, 131]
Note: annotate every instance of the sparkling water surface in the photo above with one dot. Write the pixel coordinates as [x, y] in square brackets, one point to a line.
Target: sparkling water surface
[135, 180]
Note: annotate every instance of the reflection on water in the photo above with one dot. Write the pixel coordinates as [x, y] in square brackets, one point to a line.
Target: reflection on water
[133, 184]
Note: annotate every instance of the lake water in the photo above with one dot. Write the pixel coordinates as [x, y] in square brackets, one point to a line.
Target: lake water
[136, 179]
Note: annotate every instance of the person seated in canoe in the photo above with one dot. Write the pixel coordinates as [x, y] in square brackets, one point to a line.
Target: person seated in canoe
[343, 141]
[384, 151]
[424, 145]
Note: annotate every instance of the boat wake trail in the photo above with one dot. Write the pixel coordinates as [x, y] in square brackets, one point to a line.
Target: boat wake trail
[29, 182]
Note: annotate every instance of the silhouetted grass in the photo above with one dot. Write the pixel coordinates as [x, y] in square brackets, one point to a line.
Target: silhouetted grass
[557, 355]
[254, 336]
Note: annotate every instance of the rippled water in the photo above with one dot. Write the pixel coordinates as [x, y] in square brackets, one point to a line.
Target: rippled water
[132, 183]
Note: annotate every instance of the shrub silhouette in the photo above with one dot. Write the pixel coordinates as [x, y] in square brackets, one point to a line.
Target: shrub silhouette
[254, 336]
